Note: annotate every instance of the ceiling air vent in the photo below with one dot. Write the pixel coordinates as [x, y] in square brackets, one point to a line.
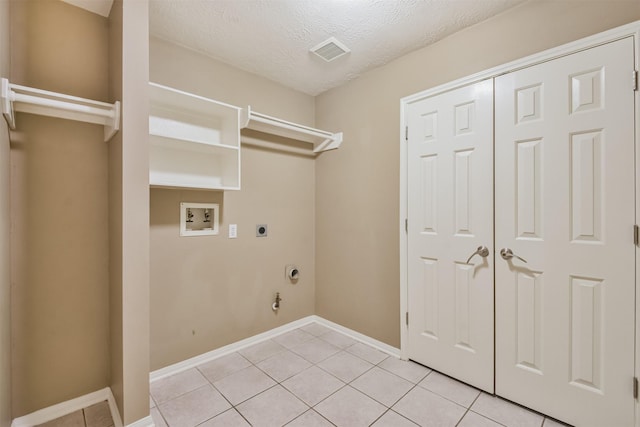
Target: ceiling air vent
[330, 49]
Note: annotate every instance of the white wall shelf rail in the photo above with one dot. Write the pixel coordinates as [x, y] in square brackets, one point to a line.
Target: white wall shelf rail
[16, 98]
[321, 140]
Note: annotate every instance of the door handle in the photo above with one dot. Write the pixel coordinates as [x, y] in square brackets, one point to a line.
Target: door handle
[507, 254]
[483, 251]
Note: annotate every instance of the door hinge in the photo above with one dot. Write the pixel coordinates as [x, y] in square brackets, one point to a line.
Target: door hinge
[636, 234]
[406, 133]
[406, 225]
[635, 387]
[635, 80]
[406, 318]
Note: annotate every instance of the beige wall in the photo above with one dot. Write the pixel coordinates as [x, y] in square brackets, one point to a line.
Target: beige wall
[59, 240]
[129, 211]
[5, 257]
[210, 291]
[357, 186]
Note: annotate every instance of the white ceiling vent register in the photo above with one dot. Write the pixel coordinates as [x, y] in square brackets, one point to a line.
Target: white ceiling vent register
[330, 49]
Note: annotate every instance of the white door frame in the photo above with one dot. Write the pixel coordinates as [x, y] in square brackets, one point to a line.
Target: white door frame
[629, 30]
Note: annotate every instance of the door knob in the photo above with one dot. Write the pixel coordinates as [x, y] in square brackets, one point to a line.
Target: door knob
[507, 254]
[483, 251]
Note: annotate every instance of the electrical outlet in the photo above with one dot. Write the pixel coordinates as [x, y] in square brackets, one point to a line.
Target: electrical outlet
[261, 230]
[233, 231]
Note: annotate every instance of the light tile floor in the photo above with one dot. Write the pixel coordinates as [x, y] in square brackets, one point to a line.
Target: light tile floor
[314, 376]
[98, 415]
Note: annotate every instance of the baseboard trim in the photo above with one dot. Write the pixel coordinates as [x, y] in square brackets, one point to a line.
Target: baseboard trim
[143, 422]
[239, 345]
[386, 348]
[65, 408]
[227, 349]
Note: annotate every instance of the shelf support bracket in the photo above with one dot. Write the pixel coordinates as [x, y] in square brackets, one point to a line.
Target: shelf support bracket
[15, 98]
[321, 140]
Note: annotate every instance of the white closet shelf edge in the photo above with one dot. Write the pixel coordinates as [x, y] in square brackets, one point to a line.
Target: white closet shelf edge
[321, 140]
[15, 98]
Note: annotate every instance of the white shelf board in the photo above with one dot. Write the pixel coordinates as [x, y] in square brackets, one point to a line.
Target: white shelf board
[16, 98]
[321, 140]
[194, 141]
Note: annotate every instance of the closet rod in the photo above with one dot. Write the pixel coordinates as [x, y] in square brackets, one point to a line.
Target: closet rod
[16, 98]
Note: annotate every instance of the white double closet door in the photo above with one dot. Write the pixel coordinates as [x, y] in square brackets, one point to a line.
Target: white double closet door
[555, 333]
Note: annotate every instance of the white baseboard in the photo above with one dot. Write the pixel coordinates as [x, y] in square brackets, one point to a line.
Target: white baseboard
[386, 348]
[143, 422]
[227, 349]
[239, 345]
[65, 408]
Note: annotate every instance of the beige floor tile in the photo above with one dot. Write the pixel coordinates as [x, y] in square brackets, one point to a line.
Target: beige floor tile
[345, 366]
[427, 409]
[449, 388]
[293, 338]
[273, 408]
[549, 422]
[393, 419]
[383, 386]
[244, 384]
[157, 418]
[229, 418]
[406, 369]
[339, 340]
[505, 412]
[194, 408]
[98, 415]
[471, 419]
[283, 365]
[226, 365]
[367, 353]
[313, 385]
[349, 407]
[315, 329]
[74, 419]
[315, 350]
[171, 387]
[310, 419]
[261, 351]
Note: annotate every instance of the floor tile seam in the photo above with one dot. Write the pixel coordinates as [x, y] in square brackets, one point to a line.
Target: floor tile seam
[469, 410]
[329, 395]
[488, 417]
[316, 412]
[266, 390]
[396, 401]
[450, 400]
[406, 379]
[161, 415]
[381, 415]
[346, 382]
[182, 394]
[84, 417]
[510, 402]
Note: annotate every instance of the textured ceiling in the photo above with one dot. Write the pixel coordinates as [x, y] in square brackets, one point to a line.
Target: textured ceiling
[272, 38]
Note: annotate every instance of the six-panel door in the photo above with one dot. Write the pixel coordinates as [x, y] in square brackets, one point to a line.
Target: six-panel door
[565, 198]
[450, 184]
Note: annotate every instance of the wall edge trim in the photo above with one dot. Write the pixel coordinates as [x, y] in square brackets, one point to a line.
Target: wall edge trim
[65, 408]
[239, 345]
